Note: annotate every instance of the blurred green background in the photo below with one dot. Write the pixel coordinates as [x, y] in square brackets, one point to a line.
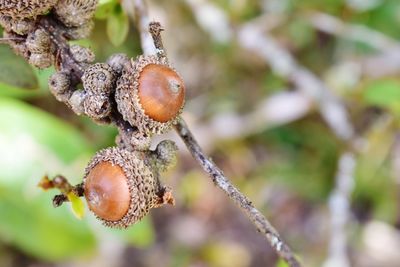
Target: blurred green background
[286, 166]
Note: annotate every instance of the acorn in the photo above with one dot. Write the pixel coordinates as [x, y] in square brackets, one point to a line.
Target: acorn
[119, 188]
[150, 95]
[75, 13]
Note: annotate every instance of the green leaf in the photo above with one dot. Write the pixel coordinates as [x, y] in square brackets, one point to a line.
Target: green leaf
[281, 263]
[15, 71]
[78, 208]
[117, 26]
[34, 143]
[105, 8]
[60, 138]
[384, 93]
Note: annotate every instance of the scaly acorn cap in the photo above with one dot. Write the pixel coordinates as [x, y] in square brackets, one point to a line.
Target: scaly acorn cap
[75, 13]
[150, 95]
[119, 188]
[98, 78]
[39, 41]
[20, 9]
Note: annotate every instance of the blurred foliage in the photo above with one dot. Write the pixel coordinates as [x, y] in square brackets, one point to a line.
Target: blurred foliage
[287, 170]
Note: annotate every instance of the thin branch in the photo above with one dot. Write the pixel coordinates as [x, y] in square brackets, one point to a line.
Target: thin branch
[355, 32]
[339, 206]
[222, 182]
[285, 65]
[219, 179]
[252, 36]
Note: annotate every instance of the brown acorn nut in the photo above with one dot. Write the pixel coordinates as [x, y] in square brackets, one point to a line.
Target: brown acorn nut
[150, 95]
[119, 188]
[75, 13]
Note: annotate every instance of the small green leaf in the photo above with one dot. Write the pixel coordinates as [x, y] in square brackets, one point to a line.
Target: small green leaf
[105, 8]
[384, 93]
[117, 26]
[104, 2]
[33, 143]
[281, 263]
[78, 209]
[15, 72]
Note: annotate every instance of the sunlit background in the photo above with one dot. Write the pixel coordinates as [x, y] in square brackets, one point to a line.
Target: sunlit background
[297, 101]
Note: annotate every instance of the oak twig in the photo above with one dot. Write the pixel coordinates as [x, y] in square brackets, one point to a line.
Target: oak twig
[220, 180]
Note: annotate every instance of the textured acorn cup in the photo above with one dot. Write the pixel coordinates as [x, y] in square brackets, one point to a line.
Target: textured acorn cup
[19, 9]
[150, 94]
[119, 188]
[75, 13]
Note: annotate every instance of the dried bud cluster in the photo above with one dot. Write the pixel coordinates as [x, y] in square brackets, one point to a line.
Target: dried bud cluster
[98, 82]
[20, 9]
[59, 84]
[40, 47]
[19, 15]
[82, 54]
[75, 13]
[20, 18]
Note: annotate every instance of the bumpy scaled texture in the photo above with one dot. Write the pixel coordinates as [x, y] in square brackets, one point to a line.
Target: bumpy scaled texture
[40, 47]
[74, 13]
[19, 26]
[119, 188]
[20, 9]
[98, 81]
[82, 54]
[59, 85]
[81, 32]
[150, 95]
